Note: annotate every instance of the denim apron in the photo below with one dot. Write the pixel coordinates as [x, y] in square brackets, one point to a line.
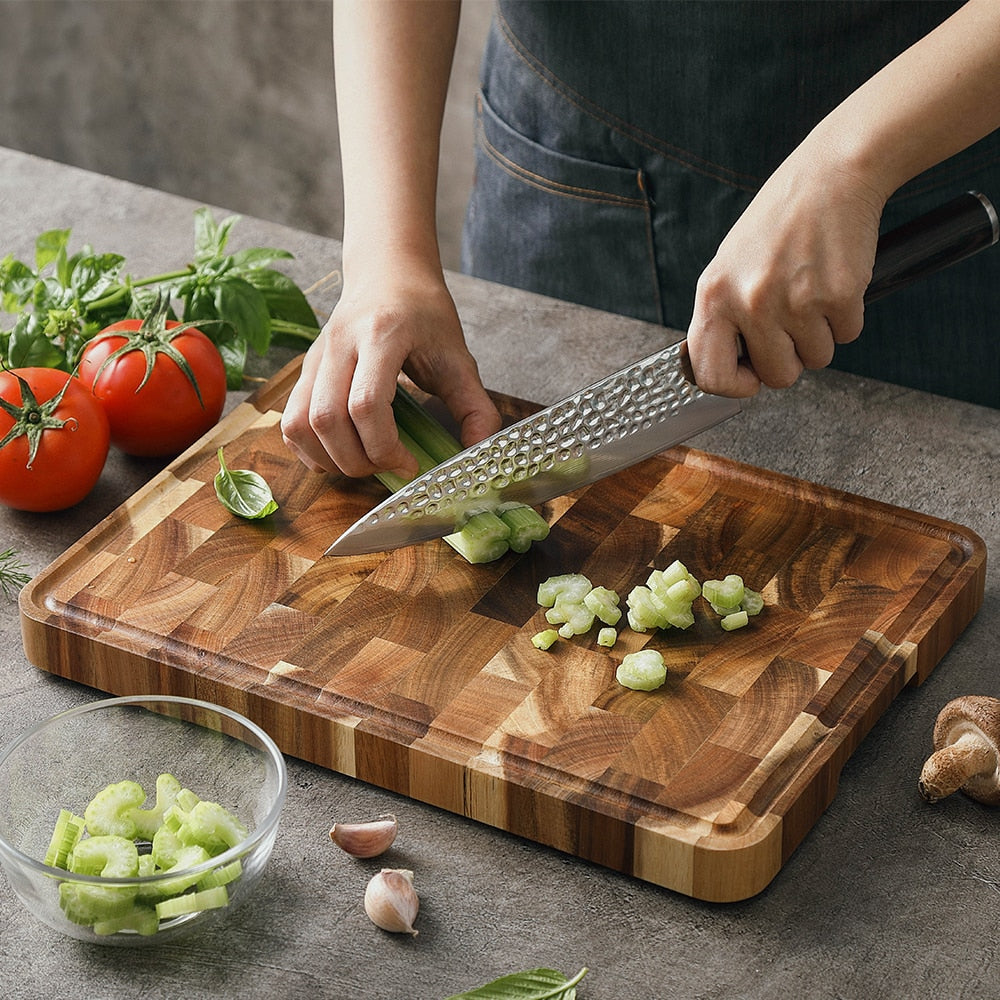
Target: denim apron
[617, 143]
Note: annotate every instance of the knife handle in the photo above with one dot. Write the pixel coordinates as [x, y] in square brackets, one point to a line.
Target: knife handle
[943, 236]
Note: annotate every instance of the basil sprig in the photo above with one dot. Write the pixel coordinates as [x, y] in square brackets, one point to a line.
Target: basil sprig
[61, 300]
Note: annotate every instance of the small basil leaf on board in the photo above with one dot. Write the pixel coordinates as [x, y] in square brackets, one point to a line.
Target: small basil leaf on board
[535, 984]
[243, 492]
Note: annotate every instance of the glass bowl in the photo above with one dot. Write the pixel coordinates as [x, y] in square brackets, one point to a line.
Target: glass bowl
[63, 762]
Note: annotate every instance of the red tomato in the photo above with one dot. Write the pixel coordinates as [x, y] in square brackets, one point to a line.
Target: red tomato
[70, 435]
[165, 415]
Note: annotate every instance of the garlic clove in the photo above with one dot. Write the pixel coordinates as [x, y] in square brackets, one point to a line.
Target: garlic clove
[365, 840]
[391, 902]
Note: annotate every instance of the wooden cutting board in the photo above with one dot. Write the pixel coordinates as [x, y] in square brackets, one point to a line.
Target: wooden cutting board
[414, 671]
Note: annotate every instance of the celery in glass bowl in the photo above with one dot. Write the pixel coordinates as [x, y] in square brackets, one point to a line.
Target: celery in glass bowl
[130, 820]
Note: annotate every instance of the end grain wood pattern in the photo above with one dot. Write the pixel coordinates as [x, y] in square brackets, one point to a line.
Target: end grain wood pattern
[414, 671]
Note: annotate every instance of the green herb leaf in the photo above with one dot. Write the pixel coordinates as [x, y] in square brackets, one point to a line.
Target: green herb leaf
[12, 575]
[242, 492]
[536, 984]
[245, 309]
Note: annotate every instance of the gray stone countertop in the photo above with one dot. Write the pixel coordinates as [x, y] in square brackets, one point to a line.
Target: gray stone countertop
[887, 897]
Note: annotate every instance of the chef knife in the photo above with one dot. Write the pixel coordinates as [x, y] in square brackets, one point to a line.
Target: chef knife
[630, 415]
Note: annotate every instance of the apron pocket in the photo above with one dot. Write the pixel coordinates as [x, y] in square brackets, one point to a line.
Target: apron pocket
[559, 225]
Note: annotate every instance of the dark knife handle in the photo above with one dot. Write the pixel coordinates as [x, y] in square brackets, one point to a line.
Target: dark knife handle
[945, 235]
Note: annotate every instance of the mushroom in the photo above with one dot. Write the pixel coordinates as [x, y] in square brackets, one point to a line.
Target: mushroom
[966, 751]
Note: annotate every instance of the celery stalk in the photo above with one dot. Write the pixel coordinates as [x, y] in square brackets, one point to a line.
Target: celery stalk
[526, 526]
[415, 421]
[485, 536]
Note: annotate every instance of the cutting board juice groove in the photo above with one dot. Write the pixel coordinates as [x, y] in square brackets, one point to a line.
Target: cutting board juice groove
[414, 671]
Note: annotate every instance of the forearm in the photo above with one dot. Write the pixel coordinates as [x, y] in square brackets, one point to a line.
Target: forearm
[935, 99]
[392, 64]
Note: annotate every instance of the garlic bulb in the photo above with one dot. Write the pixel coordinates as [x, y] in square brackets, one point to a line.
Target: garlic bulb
[391, 902]
[365, 840]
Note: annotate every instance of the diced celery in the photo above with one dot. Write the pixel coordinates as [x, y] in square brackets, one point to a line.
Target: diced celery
[753, 602]
[106, 854]
[212, 827]
[573, 586]
[643, 670]
[725, 593]
[87, 904]
[734, 621]
[65, 836]
[604, 604]
[109, 811]
[147, 821]
[166, 845]
[192, 902]
[224, 875]
[607, 637]
[187, 857]
[545, 639]
[138, 918]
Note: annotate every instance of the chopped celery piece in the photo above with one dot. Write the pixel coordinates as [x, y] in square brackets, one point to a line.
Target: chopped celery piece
[753, 602]
[643, 670]
[192, 902]
[645, 609]
[483, 538]
[544, 639]
[526, 526]
[574, 587]
[107, 855]
[604, 604]
[725, 593]
[212, 827]
[221, 876]
[187, 857]
[89, 904]
[734, 621]
[147, 821]
[607, 637]
[65, 836]
[577, 618]
[674, 573]
[109, 811]
[139, 919]
[166, 845]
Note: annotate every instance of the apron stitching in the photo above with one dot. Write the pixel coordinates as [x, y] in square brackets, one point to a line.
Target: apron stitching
[651, 244]
[687, 158]
[546, 184]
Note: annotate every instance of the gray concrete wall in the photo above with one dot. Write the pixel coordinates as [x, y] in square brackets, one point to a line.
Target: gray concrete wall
[230, 102]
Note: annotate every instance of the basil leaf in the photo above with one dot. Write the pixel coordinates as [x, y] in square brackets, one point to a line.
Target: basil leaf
[285, 300]
[210, 237]
[242, 492]
[536, 984]
[28, 347]
[244, 308]
[255, 257]
[49, 245]
[234, 358]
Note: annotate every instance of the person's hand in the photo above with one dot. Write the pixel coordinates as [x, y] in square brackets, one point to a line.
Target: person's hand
[787, 283]
[339, 414]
